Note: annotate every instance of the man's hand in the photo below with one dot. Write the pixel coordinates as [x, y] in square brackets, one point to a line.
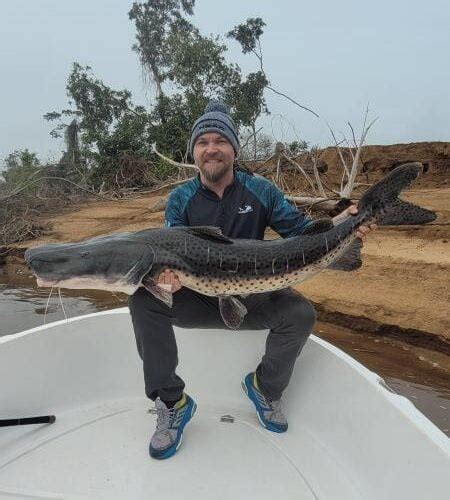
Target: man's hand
[169, 281]
[353, 210]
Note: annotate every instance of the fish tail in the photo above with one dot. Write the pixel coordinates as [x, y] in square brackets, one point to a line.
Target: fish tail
[382, 202]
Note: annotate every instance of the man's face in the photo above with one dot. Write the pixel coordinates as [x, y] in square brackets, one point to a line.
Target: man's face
[214, 156]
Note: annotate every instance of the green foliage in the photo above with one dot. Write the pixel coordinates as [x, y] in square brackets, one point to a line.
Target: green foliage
[247, 98]
[97, 106]
[175, 115]
[248, 94]
[248, 34]
[187, 68]
[156, 22]
[162, 169]
[173, 51]
[198, 64]
[109, 123]
[20, 166]
[297, 147]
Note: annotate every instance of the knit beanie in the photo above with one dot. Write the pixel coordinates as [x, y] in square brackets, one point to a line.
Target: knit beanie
[215, 119]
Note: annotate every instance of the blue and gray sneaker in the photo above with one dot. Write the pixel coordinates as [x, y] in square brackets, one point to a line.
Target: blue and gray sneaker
[170, 425]
[268, 412]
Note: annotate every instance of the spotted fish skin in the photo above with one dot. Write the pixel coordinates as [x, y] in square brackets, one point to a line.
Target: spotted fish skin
[241, 266]
[215, 265]
[246, 266]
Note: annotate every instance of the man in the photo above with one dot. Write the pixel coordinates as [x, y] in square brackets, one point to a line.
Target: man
[242, 205]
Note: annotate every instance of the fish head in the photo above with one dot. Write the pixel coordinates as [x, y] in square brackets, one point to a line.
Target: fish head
[113, 263]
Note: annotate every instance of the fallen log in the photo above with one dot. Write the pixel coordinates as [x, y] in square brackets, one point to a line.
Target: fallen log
[332, 206]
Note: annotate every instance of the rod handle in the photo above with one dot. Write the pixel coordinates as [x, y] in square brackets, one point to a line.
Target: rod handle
[44, 419]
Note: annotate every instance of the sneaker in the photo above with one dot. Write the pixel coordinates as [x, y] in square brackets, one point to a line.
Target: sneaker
[170, 425]
[268, 412]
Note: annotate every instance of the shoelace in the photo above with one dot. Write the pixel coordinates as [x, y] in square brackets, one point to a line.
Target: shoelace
[273, 406]
[164, 418]
[276, 407]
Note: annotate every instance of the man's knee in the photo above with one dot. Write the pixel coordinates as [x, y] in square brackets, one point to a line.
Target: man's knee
[296, 310]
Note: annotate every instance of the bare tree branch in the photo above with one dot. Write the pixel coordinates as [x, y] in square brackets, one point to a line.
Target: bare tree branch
[23, 187]
[316, 175]
[353, 135]
[292, 100]
[248, 140]
[173, 162]
[347, 191]
[307, 177]
[170, 184]
[344, 164]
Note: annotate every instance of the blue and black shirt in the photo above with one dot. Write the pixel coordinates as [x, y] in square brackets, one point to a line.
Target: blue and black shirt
[248, 206]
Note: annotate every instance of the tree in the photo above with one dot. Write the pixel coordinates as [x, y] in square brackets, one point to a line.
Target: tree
[20, 166]
[247, 97]
[156, 21]
[189, 69]
[108, 122]
[248, 35]
[97, 106]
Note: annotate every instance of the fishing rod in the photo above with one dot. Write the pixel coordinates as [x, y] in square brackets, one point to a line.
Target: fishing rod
[43, 419]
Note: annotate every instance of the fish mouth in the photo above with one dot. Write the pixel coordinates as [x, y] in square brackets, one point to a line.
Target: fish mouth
[45, 282]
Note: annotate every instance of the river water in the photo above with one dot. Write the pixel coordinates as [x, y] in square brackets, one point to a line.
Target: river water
[423, 376]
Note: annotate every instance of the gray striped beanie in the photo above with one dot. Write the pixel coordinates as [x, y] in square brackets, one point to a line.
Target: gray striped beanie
[215, 119]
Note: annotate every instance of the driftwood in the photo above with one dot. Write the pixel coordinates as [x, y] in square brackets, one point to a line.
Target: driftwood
[321, 204]
[331, 206]
[164, 186]
[173, 162]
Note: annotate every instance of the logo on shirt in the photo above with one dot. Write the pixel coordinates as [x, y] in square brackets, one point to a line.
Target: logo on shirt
[245, 210]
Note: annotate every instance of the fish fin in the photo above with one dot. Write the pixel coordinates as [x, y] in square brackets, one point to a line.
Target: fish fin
[209, 233]
[157, 291]
[381, 200]
[232, 311]
[318, 226]
[142, 267]
[350, 259]
[401, 212]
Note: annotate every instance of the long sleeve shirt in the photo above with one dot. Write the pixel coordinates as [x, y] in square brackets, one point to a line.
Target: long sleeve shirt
[248, 206]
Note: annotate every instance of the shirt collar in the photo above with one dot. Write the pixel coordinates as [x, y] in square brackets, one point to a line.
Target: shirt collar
[228, 189]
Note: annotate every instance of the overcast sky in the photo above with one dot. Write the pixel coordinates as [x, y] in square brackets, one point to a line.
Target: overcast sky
[334, 57]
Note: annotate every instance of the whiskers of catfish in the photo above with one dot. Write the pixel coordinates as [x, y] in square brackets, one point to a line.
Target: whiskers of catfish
[61, 302]
[48, 302]
[46, 306]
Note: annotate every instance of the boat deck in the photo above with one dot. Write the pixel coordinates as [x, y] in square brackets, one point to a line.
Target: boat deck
[240, 458]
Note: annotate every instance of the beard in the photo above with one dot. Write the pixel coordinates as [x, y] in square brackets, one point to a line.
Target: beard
[216, 173]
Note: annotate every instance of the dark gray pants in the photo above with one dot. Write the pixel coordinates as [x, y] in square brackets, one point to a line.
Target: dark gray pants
[288, 315]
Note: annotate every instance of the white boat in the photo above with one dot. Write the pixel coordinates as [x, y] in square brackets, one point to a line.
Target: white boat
[349, 436]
